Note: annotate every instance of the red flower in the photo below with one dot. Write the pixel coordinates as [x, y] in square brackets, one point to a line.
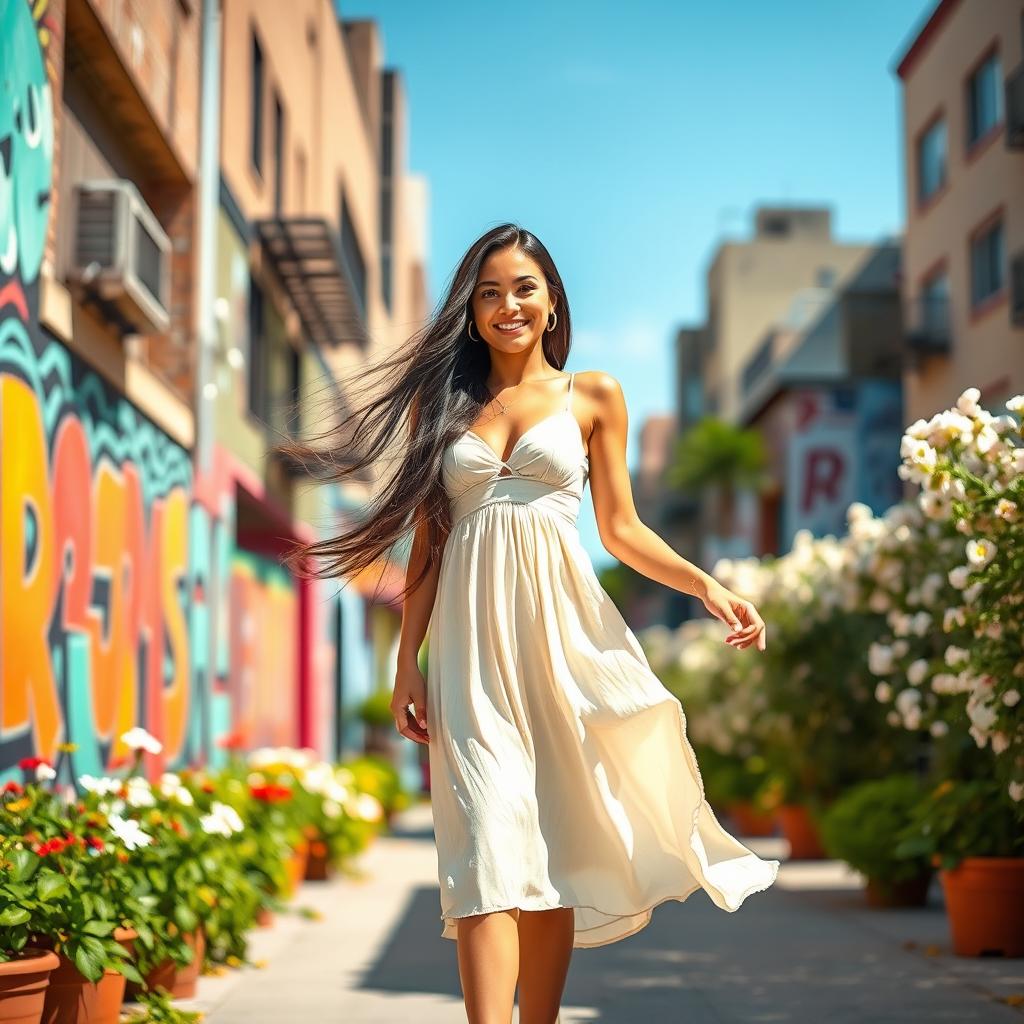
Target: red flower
[271, 793]
[55, 845]
[14, 787]
[30, 764]
[95, 842]
[208, 787]
[232, 741]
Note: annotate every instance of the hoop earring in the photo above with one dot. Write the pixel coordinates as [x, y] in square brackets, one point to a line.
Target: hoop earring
[469, 331]
[548, 330]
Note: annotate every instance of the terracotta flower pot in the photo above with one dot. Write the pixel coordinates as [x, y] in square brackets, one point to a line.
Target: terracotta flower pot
[318, 866]
[296, 865]
[177, 981]
[749, 820]
[72, 999]
[913, 892]
[985, 905]
[800, 829]
[23, 983]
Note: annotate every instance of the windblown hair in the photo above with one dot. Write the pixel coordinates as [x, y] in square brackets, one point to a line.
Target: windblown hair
[436, 379]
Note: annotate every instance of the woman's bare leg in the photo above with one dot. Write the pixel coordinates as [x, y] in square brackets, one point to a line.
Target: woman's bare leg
[488, 953]
[545, 948]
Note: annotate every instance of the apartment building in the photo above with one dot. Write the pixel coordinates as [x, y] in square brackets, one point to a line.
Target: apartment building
[962, 81]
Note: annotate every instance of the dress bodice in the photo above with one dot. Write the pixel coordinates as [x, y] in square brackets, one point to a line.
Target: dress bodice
[547, 468]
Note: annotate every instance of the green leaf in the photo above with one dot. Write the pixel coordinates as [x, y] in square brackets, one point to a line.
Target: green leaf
[52, 885]
[99, 928]
[91, 967]
[185, 918]
[25, 864]
[14, 915]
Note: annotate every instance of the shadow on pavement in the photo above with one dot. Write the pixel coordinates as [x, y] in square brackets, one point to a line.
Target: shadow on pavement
[415, 957]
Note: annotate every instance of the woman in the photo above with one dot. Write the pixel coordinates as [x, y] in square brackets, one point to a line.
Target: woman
[567, 801]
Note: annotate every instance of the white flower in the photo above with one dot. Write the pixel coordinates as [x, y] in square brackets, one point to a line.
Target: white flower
[917, 671]
[1010, 698]
[956, 656]
[921, 621]
[139, 739]
[170, 787]
[1016, 404]
[938, 728]
[222, 820]
[883, 693]
[366, 807]
[1017, 791]
[44, 773]
[967, 403]
[971, 593]
[102, 786]
[958, 577]
[980, 552]
[1007, 510]
[880, 659]
[907, 699]
[1000, 742]
[129, 832]
[953, 617]
[332, 809]
[139, 792]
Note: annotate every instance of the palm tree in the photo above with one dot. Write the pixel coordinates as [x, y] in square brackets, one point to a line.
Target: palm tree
[721, 457]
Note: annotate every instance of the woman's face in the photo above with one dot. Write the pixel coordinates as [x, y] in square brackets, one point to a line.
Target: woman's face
[511, 288]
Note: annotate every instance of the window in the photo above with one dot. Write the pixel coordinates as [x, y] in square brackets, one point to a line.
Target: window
[256, 113]
[984, 99]
[931, 160]
[257, 362]
[352, 256]
[278, 154]
[935, 306]
[987, 261]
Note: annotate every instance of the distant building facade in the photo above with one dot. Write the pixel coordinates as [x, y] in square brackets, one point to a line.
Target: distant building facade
[962, 79]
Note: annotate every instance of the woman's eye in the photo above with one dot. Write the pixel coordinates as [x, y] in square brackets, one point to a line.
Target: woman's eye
[490, 291]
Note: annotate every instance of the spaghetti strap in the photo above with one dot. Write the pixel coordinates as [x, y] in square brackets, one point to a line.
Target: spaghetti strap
[568, 394]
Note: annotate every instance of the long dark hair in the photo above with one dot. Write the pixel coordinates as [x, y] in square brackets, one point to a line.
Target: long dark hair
[438, 377]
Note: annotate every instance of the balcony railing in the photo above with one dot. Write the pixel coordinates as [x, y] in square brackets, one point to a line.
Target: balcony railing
[929, 326]
[1015, 109]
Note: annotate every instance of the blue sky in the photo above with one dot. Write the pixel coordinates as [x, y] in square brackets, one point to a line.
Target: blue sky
[632, 138]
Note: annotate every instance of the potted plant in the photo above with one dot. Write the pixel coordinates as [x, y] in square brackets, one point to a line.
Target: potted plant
[971, 831]
[84, 902]
[861, 828]
[24, 969]
[375, 713]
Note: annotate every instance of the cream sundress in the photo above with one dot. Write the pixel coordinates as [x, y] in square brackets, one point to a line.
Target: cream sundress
[561, 773]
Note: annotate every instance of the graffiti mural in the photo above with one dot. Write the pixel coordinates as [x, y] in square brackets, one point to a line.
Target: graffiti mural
[109, 568]
[263, 681]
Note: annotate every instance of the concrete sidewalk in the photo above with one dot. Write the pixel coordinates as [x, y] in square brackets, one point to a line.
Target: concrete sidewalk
[804, 952]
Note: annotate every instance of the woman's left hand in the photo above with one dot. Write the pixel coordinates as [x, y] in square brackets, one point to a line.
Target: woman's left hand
[748, 627]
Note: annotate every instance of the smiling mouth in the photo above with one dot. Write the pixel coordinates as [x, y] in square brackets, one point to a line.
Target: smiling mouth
[512, 327]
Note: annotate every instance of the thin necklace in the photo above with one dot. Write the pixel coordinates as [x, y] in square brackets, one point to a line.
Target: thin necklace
[506, 405]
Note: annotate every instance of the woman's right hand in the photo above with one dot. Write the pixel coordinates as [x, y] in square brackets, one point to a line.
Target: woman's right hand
[410, 688]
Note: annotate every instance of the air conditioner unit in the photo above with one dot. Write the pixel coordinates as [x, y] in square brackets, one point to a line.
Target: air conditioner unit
[121, 255]
[1017, 289]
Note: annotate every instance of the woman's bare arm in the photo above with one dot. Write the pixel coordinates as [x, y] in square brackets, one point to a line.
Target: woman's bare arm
[626, 537]
[418, 605]
[410, 686]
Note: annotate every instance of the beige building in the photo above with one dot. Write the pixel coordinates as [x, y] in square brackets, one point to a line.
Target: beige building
[751, 284]
[963, 288]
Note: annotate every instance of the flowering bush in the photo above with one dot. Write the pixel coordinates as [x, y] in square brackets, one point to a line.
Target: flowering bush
[62, 880]
[187, 850]
[970, 465]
